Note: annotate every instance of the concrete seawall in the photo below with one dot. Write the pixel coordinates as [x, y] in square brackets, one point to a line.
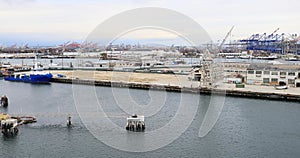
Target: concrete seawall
[174, 88]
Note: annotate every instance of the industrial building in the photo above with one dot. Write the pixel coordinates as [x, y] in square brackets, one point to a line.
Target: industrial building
[271, 74]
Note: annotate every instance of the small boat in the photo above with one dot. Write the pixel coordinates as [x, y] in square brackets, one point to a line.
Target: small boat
[281, 87]
[270, 57]
[291, 59]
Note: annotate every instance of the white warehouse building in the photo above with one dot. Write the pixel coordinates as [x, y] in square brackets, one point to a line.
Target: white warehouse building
[270, 74]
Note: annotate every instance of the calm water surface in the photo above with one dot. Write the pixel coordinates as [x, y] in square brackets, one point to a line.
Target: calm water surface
[246, 127]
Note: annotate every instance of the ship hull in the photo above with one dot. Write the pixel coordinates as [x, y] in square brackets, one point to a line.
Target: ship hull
[32, 78]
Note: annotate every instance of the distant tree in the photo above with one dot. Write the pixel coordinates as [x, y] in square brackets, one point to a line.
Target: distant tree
[111, 65]
[103, 56]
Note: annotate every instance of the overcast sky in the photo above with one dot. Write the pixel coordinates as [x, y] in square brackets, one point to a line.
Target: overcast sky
[51, 22]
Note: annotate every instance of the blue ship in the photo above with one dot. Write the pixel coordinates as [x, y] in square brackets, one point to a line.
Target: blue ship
[37, 76]
[31, 78]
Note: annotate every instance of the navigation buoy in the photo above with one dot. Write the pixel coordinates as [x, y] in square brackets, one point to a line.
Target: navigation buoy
[69, 123]
[4, 101]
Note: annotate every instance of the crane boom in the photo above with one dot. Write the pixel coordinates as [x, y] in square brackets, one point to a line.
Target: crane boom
[265, 34]
[227, 35]
[275, 31]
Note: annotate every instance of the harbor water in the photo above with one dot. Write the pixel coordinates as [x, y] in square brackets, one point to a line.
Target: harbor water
[245, 128]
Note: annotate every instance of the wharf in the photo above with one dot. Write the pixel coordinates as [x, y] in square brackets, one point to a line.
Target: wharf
[173, 83]
[134, 85]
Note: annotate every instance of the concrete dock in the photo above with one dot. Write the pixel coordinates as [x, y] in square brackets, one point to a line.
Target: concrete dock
[171, 82]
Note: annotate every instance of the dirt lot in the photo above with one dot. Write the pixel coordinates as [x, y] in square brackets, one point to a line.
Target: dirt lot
[169, 79]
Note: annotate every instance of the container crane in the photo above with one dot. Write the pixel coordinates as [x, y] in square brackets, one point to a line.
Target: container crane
[264, 42]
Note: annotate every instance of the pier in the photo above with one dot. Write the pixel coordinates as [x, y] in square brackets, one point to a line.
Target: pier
[250, 91]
